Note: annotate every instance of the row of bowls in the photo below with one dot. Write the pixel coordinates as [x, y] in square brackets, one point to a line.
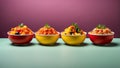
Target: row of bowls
[68, 39]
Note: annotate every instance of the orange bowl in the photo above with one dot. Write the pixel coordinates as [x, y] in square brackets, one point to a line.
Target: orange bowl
[20, 39]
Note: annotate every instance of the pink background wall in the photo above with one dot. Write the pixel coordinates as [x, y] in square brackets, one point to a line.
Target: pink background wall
[60, 14]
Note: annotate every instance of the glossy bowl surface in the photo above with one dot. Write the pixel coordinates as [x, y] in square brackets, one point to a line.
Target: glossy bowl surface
[101, 39]
[73, 39]
[20, 39]
[47, 39]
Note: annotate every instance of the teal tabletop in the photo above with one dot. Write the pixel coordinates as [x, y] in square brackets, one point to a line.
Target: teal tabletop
[86, 55]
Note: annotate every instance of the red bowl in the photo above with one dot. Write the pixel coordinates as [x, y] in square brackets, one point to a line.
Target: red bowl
[101, 39]
[20, 39]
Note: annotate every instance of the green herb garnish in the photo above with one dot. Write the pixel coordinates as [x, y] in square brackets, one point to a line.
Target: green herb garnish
[76, 27]
[21, 25]
[101, 26]
[47, 25]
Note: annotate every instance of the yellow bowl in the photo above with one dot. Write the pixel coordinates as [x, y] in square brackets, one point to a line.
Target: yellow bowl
[47, 39]
[73, 39]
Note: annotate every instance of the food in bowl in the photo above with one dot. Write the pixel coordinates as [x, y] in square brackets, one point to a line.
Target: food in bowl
[101, 35]
[47, 35]
[20, 34]
[73, 35]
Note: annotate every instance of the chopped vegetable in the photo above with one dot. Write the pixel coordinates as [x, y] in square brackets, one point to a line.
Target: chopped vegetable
[20, 30]
[47, 30]
[101, 29]
[73, 29]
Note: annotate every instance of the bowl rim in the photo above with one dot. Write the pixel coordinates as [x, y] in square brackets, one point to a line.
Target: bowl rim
[112, 33]
[85, 33]
[47, 35]
[20, 35]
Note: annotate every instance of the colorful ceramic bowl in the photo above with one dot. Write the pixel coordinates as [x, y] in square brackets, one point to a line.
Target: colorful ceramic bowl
[73, 39]
[20, 39]
[101, 39]
[47, 39]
